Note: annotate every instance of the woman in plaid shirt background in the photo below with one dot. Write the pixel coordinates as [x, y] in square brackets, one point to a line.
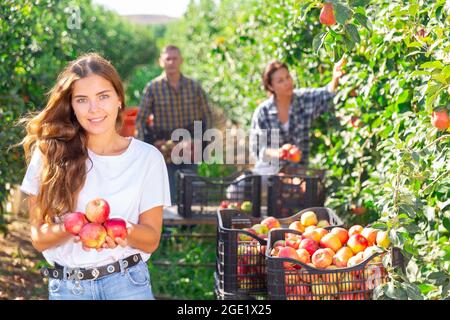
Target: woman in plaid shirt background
[288, 111]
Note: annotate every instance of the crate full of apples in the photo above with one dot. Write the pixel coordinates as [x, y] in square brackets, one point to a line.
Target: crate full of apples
[326, 264]
[242, 241]
[93, 225]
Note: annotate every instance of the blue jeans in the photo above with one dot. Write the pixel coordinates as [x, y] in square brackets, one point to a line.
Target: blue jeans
[171, 172]
[130, 284]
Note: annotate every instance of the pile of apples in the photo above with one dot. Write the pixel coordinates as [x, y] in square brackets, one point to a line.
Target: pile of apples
[251, 266]
[324, 249]
[290, 152]
[93, 226]
[245, 206]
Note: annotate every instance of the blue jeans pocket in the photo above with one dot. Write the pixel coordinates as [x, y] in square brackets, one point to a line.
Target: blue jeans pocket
[138, 275]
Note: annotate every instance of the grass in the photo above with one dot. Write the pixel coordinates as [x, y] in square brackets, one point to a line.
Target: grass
[183, 265]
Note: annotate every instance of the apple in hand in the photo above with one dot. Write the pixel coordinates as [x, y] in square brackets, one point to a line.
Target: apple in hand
[93, 235]
[116, 228]
[74, 221]
[97, 210]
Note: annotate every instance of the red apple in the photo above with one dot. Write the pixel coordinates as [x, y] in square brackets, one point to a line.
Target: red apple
[341, 257]
[323, 224]
[116, 228]
[288, 252]
[224, 204]
[327, 15]
[93, 235]
[315, 234]
[74, 221]
[356, 229]
[331, 241]
[370, 234]
[279, 243]
[97, 210]
[322, 258]
[271, 223]
[341, 233]
[294, 241]
[310, 245]
[297, 225]
[439, 119]
[357, 243]
[294, 155]
[303, 255]
[246, 237]
[260, 229]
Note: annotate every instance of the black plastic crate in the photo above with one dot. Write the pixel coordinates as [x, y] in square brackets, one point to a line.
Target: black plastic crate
[241, 264]
[299, 281]
[293, 189]
[200, 195]
[220, 294]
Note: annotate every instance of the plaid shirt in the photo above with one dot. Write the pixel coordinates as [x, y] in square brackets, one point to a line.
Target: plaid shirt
[307, 104]
[172, 109]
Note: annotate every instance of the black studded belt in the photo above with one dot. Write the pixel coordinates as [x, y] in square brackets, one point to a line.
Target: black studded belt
[90, 273]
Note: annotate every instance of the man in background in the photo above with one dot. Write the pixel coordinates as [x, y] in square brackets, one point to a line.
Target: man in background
[175, 101]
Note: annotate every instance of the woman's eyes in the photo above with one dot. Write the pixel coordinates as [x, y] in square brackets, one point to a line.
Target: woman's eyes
[83, 100]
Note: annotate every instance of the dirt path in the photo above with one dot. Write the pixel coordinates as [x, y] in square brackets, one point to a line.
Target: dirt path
[20, 263]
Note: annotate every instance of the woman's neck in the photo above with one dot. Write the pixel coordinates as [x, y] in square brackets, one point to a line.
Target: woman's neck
[106, 145]
[283, 101]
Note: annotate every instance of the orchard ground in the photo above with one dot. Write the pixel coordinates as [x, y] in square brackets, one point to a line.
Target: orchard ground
[19, 263]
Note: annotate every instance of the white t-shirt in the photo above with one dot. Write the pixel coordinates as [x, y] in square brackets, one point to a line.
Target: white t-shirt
[132, 183]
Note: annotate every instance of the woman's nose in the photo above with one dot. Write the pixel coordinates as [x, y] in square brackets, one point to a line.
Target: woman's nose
[93, 106]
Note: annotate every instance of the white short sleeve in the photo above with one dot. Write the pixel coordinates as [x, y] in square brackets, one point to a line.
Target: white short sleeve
[155, 190]
[31, 181]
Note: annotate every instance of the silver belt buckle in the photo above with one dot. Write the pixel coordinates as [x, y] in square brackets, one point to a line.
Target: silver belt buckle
[95, 273]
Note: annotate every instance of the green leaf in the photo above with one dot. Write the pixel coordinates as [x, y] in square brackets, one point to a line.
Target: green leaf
[396, 293]
[446, 223]
[353, 32]
[425, 288]
[318, 41]
[412, 291]
[432, 65]
[359, 3]
[342, 13]
[362, 20]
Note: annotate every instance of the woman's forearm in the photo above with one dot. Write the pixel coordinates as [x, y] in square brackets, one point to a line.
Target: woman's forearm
[47, 235]
[143, 237]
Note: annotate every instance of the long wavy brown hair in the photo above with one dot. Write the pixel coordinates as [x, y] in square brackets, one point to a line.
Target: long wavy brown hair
[61, 139]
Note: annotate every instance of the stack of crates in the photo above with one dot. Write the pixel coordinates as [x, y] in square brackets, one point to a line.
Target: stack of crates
[241, 268]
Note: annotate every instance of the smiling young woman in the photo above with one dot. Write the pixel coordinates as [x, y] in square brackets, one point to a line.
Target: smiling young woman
[75, 154]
